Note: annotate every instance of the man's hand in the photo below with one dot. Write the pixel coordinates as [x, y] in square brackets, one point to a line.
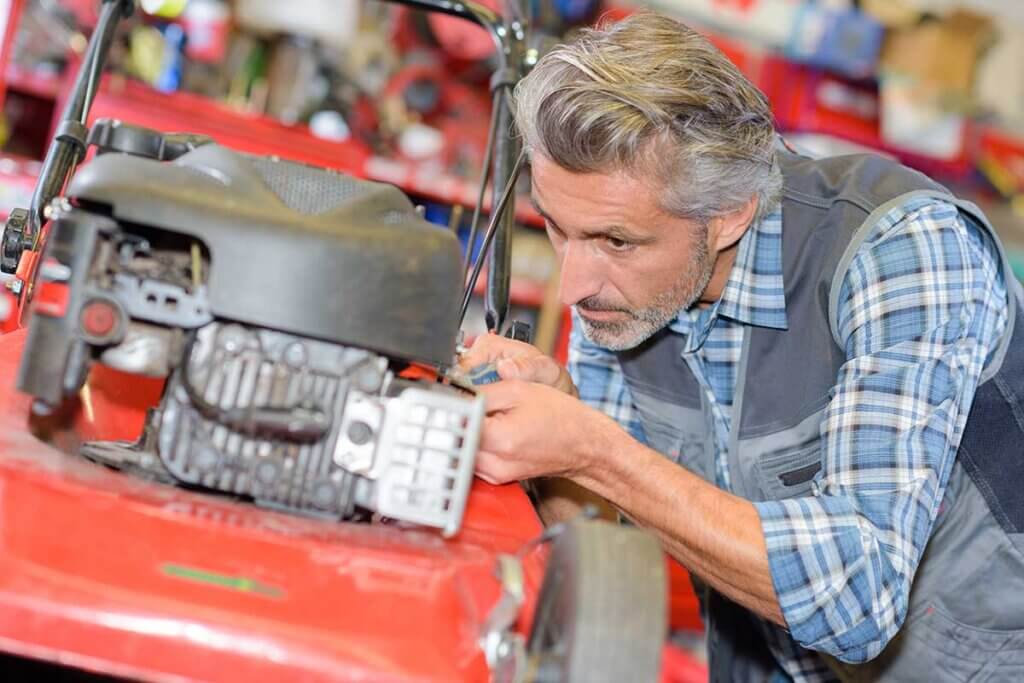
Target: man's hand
[516, 360]
[534, 430]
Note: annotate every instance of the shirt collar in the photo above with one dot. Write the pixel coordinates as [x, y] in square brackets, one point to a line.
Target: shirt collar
[754, 294]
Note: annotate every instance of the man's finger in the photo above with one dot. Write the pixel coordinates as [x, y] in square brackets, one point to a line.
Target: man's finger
[486, 476]
[499, 436]
[501, 396]
[488, 348]
[492, 469]
[540, 369]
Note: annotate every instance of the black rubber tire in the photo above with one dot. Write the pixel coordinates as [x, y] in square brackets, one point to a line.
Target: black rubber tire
[602, 613]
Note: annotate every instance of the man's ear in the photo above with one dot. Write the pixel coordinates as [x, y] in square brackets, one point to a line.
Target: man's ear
[727, 229]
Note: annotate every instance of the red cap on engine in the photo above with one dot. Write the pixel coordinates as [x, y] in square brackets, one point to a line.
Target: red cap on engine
[99, 318]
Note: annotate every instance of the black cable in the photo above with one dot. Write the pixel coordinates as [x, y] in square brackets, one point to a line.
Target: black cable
[63, 155]
[291, 423]
[492, 229]
[496, 102]
[95, 70]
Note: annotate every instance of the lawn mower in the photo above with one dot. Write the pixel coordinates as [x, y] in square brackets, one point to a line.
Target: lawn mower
[214, 462]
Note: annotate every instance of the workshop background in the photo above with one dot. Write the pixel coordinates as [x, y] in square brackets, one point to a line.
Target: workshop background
[385, 92]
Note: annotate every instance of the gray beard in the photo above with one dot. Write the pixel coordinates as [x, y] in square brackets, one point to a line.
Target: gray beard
[643, 323]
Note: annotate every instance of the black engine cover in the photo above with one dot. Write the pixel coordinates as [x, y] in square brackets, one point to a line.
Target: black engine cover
[296, 248]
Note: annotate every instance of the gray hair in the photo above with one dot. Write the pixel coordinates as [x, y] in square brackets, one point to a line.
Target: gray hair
[650, 95]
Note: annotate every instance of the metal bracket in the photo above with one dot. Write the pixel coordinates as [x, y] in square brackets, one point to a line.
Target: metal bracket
[162, 302]
[74, 133]
[520, 331]
[13, 240]
[505, 649]
[358, 436]
[113, 135]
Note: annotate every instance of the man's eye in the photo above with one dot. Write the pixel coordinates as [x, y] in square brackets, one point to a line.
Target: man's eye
[617, 244]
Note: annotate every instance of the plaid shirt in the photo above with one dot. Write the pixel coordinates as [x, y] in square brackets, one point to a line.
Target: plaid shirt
[921, 308]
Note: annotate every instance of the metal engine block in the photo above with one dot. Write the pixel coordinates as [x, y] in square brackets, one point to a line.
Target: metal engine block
[310, 427]
[278, 300]
[388, 445]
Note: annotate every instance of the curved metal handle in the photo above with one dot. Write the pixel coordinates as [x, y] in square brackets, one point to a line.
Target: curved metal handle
[475, 12]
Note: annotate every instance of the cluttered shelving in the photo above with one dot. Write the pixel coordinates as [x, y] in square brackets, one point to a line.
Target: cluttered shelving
[391, 96]
[158, 105]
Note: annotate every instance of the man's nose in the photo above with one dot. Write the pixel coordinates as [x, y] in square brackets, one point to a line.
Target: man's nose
[579, 277]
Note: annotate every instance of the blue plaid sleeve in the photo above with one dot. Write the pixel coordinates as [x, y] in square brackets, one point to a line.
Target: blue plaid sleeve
[600, 381]
[922, 307]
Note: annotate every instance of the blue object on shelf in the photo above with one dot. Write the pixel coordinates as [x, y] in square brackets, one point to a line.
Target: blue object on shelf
[170, 76]
[576, 11]
[437, 213]
[845, 41]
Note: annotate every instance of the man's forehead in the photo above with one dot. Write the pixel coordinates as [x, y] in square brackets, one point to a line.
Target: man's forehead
[614, 188]
[611, 198]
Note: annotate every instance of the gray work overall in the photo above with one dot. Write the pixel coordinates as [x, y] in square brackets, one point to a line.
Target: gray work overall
[966, 613]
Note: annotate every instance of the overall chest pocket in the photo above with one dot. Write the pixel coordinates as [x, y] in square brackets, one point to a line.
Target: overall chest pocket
[682, 433]
[789, 472]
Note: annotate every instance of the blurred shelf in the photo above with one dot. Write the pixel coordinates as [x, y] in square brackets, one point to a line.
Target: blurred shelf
[807, 99]
[426, 180]
[17, 181]
[804, 98]
[31, 82]
[180, 111]
[136, 103]
[522, 291]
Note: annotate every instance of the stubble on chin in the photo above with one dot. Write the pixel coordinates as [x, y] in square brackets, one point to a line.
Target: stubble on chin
[643, 324]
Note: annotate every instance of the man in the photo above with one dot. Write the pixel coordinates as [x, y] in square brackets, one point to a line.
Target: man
[799, 374]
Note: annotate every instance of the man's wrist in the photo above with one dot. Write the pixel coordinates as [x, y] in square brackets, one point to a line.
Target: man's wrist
[601, 441]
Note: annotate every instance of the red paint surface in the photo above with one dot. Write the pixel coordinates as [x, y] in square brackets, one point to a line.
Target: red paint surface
[463, 39]
[1006, 151]
[98, 318]
[52, 298]
[8, 311]
[677, 666]
[82, 550]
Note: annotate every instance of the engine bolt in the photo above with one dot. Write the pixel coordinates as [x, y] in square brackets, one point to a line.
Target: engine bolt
[295, 355]
[323, 495]
[232, 339]
[99, 319]
[266, 472]
[41, 408]
[207, 458]
[368, 378]
[359, 433]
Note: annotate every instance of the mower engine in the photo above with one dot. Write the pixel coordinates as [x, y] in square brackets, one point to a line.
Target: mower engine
[279, 301]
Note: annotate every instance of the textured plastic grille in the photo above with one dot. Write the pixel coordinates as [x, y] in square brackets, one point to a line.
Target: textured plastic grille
[430, 442]
[425, 448]
[307, 189]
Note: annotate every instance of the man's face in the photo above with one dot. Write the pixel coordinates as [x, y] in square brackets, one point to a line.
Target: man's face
[627, 266]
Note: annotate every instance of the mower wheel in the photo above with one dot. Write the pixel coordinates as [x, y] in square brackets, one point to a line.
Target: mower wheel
[602, 610]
